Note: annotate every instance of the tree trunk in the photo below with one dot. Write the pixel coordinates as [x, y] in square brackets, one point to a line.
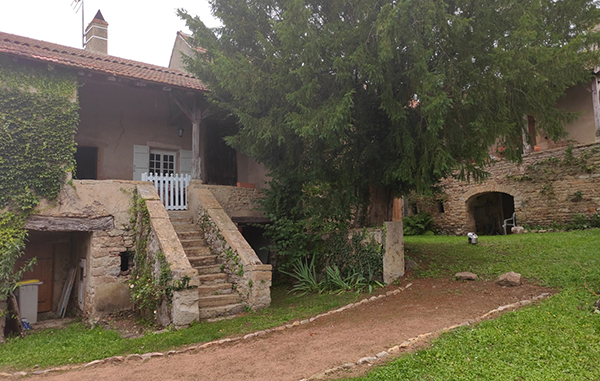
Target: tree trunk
[13, 317]
[380, 207]
[3, 314]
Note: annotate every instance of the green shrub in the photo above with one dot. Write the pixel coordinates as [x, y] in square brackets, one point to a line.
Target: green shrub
[595, 220]
[360, 254]
[305, 273]
[579, 222]
[418, 224]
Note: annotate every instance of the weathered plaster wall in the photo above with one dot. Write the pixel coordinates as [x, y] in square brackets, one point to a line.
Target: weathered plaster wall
[179, 47]
[115, 117]
[583, 130]
[249, 171]
[543, 187]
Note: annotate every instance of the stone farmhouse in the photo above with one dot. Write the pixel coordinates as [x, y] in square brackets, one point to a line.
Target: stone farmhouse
[555, 181]
[138, 118]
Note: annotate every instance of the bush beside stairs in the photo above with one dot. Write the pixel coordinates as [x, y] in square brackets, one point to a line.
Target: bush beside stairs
[216, 296]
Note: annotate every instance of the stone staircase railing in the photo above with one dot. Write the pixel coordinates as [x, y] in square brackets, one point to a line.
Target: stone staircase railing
[163, 238]
[250, 277]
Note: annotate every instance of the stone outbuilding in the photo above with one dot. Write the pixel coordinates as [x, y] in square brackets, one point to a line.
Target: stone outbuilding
[555, 181]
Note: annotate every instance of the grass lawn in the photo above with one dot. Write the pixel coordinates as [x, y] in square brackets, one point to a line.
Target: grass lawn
[77, 343]
[558, 339]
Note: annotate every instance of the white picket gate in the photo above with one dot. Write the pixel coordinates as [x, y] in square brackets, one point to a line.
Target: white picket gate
[171, 189]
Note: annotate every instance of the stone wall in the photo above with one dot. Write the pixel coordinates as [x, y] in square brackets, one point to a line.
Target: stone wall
[548, 187]
[240, 204]
[245, 271]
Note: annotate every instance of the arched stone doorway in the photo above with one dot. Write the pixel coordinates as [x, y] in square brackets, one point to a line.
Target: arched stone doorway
[488, 210]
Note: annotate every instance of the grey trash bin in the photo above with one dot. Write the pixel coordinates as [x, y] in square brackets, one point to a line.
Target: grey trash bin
[27, 299]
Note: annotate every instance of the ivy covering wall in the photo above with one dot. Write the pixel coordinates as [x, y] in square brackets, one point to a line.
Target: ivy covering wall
[38, 121]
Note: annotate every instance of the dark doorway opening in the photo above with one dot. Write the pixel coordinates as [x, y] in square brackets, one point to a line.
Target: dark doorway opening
[86, 159]
[254, 235]
[489, 210]
[221, 159]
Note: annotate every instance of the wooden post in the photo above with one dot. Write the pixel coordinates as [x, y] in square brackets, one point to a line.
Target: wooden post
[397, 210]
[596, 104]
[196, 159]
[195, 116]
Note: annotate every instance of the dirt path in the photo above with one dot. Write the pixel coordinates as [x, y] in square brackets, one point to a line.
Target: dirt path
[292, 354]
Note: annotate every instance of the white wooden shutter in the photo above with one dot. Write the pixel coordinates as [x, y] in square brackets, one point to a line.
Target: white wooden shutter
[185, 162]
[141, 161]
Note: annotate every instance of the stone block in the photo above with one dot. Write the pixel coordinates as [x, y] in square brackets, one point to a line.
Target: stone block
[262, 268]
[465, 275]
[106, 272]
[510, 279]
[112, 297]
[207, 199]
[222, 220]
[184, 309]
[156, 209]
[259, 276]
[393, 258]
[106, 262]
[100, 252]
[147, 191]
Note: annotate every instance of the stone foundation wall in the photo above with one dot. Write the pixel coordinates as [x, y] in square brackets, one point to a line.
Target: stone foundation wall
[548, 187]
[101, 208]
[106, 290]
[245, 271]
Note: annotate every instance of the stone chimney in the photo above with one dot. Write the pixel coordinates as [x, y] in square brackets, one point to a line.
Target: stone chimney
[96, 35]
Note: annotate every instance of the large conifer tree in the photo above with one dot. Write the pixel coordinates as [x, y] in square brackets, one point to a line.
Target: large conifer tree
[345, 101]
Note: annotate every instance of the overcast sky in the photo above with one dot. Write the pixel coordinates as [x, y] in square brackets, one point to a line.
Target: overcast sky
[141, 30]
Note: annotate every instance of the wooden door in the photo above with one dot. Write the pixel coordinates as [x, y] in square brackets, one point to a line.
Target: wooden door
[43, 270]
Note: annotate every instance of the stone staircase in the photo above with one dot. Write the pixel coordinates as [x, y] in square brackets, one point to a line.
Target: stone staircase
[216, 296]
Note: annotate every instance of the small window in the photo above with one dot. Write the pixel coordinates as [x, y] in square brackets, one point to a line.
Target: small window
[441, 206]
[162, 162]
[86, 163]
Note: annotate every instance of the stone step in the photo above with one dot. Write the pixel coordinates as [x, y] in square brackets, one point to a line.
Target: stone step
[208, 279]
[193, 243]
[218, 300]
[179, 216]
[202, 260]
[215, 289]
[198, 251]
[189, 235]
[182, 222]
[185, 227]
[209, 269]
[212, 312]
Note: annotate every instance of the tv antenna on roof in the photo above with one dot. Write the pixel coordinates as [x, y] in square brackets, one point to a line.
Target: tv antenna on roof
[77, 5]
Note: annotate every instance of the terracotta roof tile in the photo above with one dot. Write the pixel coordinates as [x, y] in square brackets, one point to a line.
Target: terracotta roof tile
[80, 59]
